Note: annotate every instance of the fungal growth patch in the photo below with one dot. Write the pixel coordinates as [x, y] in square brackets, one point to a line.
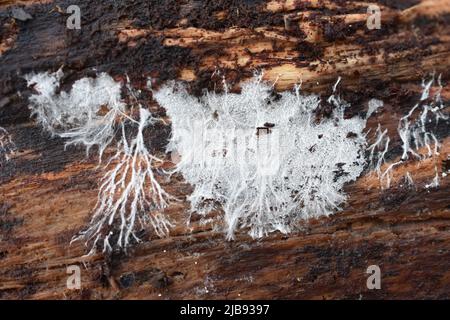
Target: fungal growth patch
[94, 114]
[417, 132]
[262, 157]
[130, 191]
[77, 115]
[267, 160]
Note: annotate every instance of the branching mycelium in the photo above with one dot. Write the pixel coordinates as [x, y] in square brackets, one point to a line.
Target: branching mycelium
[93, 114]
[378, 149]
[416, 132]
[86, 115]
[129, 192]
[261, 157]
[7, 146]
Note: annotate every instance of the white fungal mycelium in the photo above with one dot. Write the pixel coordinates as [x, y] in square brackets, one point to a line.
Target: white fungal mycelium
[416, 130]
[378, 149]
[77, 115]
[374, 105]
[262, 158]
[130, 191]
[93, 114]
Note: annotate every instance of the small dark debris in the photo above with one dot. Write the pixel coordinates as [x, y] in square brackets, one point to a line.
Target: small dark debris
[273, 97]
[339, 172]
[127, 280]
[323, 111]
[308, 51]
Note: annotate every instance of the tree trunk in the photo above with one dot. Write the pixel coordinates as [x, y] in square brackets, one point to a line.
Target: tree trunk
[47, 192]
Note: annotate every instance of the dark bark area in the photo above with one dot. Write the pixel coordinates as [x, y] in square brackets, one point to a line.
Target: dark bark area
[47, 192]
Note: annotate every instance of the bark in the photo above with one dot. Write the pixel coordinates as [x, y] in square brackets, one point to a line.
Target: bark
[47, 193]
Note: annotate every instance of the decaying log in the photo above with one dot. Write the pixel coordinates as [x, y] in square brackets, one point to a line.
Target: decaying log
[47, 192]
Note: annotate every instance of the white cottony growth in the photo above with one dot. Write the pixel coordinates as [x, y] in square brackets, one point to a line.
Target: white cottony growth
[129, 193]
[77, 115]
[374, 105]
[416, 130]
[93, 114]
[435, 182]
[378, 150]
[261, 157]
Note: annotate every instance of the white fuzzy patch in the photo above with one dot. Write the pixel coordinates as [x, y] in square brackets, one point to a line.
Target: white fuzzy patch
[91, 114]
[374, 105]
[267, 179]
[129, 193]
[261, 158]
[416, 131]
[75, 114]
